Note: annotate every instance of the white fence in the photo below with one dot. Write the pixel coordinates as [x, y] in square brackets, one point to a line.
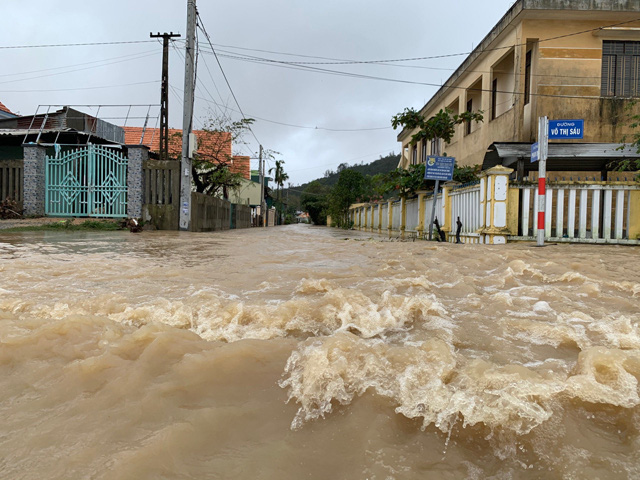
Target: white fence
[465, 205]
[412, 208]
[590, 213]
[439, 210]
[396, 215]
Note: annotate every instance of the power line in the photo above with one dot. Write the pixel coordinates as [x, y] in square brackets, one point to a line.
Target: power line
[303, 65]
[204, 30]
[342, 61]
[80, 88]
[397, 80]
[308, 127]
[238, 56]
[78, 69]
[88, 44]
[132, 56]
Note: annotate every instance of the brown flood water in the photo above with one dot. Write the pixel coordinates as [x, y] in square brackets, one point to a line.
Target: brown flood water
[309, 353]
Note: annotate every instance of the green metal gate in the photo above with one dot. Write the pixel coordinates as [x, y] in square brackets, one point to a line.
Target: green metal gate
[89, 181]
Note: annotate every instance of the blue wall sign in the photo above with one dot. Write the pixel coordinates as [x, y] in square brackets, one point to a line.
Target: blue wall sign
[534, 152]
[566, 129]
[439, 168]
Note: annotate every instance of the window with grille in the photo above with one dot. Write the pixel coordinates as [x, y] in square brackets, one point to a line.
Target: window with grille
[527, 78]
[620, 69]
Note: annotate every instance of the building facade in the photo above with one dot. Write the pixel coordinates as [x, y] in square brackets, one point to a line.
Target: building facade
[564, 59]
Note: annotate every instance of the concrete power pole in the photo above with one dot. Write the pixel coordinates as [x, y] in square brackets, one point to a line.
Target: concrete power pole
[164, 95]
[187, 118]
[435, 193]
[262, 206]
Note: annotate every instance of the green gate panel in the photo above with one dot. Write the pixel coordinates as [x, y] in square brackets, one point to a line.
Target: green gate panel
[89, 181]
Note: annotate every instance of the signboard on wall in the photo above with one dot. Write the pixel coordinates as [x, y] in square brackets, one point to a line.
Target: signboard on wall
[439, 168]
[566, 129]
[535, 147]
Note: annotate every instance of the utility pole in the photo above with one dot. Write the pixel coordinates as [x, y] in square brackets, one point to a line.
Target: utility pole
[164, 94]
[262, 206]
[435, 193]
[543, 146]
[187, 117]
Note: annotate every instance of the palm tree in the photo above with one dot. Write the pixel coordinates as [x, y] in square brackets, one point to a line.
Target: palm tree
[280, 177]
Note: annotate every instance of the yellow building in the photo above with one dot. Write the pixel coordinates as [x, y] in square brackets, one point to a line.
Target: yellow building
[566, 59]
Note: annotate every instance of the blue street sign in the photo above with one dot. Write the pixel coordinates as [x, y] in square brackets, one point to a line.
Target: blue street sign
[566, 129]
[439, 168]
[534, 152]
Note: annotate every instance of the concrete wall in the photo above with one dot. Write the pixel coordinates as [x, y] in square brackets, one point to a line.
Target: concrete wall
[209, 213]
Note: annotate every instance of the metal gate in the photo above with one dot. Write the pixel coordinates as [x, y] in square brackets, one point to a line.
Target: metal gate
[89, 181]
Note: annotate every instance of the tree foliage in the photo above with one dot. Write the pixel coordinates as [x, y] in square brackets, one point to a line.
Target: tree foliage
[352, 187]
[441, 125]
[211, 167]
[630, 164]
[314, 201]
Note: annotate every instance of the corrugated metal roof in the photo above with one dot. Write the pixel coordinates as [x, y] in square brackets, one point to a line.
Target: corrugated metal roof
[568, 150]
[562, 156]
[15, 132]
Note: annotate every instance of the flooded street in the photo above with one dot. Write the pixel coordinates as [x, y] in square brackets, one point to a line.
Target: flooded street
[302, 352]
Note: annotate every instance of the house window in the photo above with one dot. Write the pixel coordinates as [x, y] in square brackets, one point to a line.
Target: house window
[468, 124]
[424, 151]
[414, 157]
[620, 69]
[527, 78]
[494, 98]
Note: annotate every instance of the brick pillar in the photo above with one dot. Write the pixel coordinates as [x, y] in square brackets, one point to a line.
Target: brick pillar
[33, 179]
[137, 154]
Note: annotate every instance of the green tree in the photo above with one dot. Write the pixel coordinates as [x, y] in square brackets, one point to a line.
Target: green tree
[211, 167]
[279, 178]
[315, 201]
[404, 182]
[352, 187]
[629, 164]
[441, 125]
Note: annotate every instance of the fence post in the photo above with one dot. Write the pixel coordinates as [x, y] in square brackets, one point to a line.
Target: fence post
[371, 209]
[137, 154]
[448, 221]
[494, 195]
[421, 211]
[390, 219]
[403, 215]
[379, 218]
[634, 215]
[34, 186]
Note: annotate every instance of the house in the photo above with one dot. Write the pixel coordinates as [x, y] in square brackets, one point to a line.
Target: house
[211, 145]
[5, 112]
[556, 58]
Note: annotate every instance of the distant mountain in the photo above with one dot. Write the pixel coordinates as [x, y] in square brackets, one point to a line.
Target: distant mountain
[382, 165]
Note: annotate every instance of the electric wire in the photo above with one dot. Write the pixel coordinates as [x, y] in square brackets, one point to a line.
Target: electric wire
[80, 88]
[132, 56]
[87, 44]
[409, 82]
[337, 61]
[204, 30]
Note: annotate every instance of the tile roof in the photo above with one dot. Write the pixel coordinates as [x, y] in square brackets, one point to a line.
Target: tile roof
[211, 145]
[5, 109]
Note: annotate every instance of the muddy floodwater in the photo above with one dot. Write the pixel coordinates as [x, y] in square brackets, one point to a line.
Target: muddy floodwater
[309, 353]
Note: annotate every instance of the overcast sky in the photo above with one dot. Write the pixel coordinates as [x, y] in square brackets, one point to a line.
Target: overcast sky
[129, 73]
